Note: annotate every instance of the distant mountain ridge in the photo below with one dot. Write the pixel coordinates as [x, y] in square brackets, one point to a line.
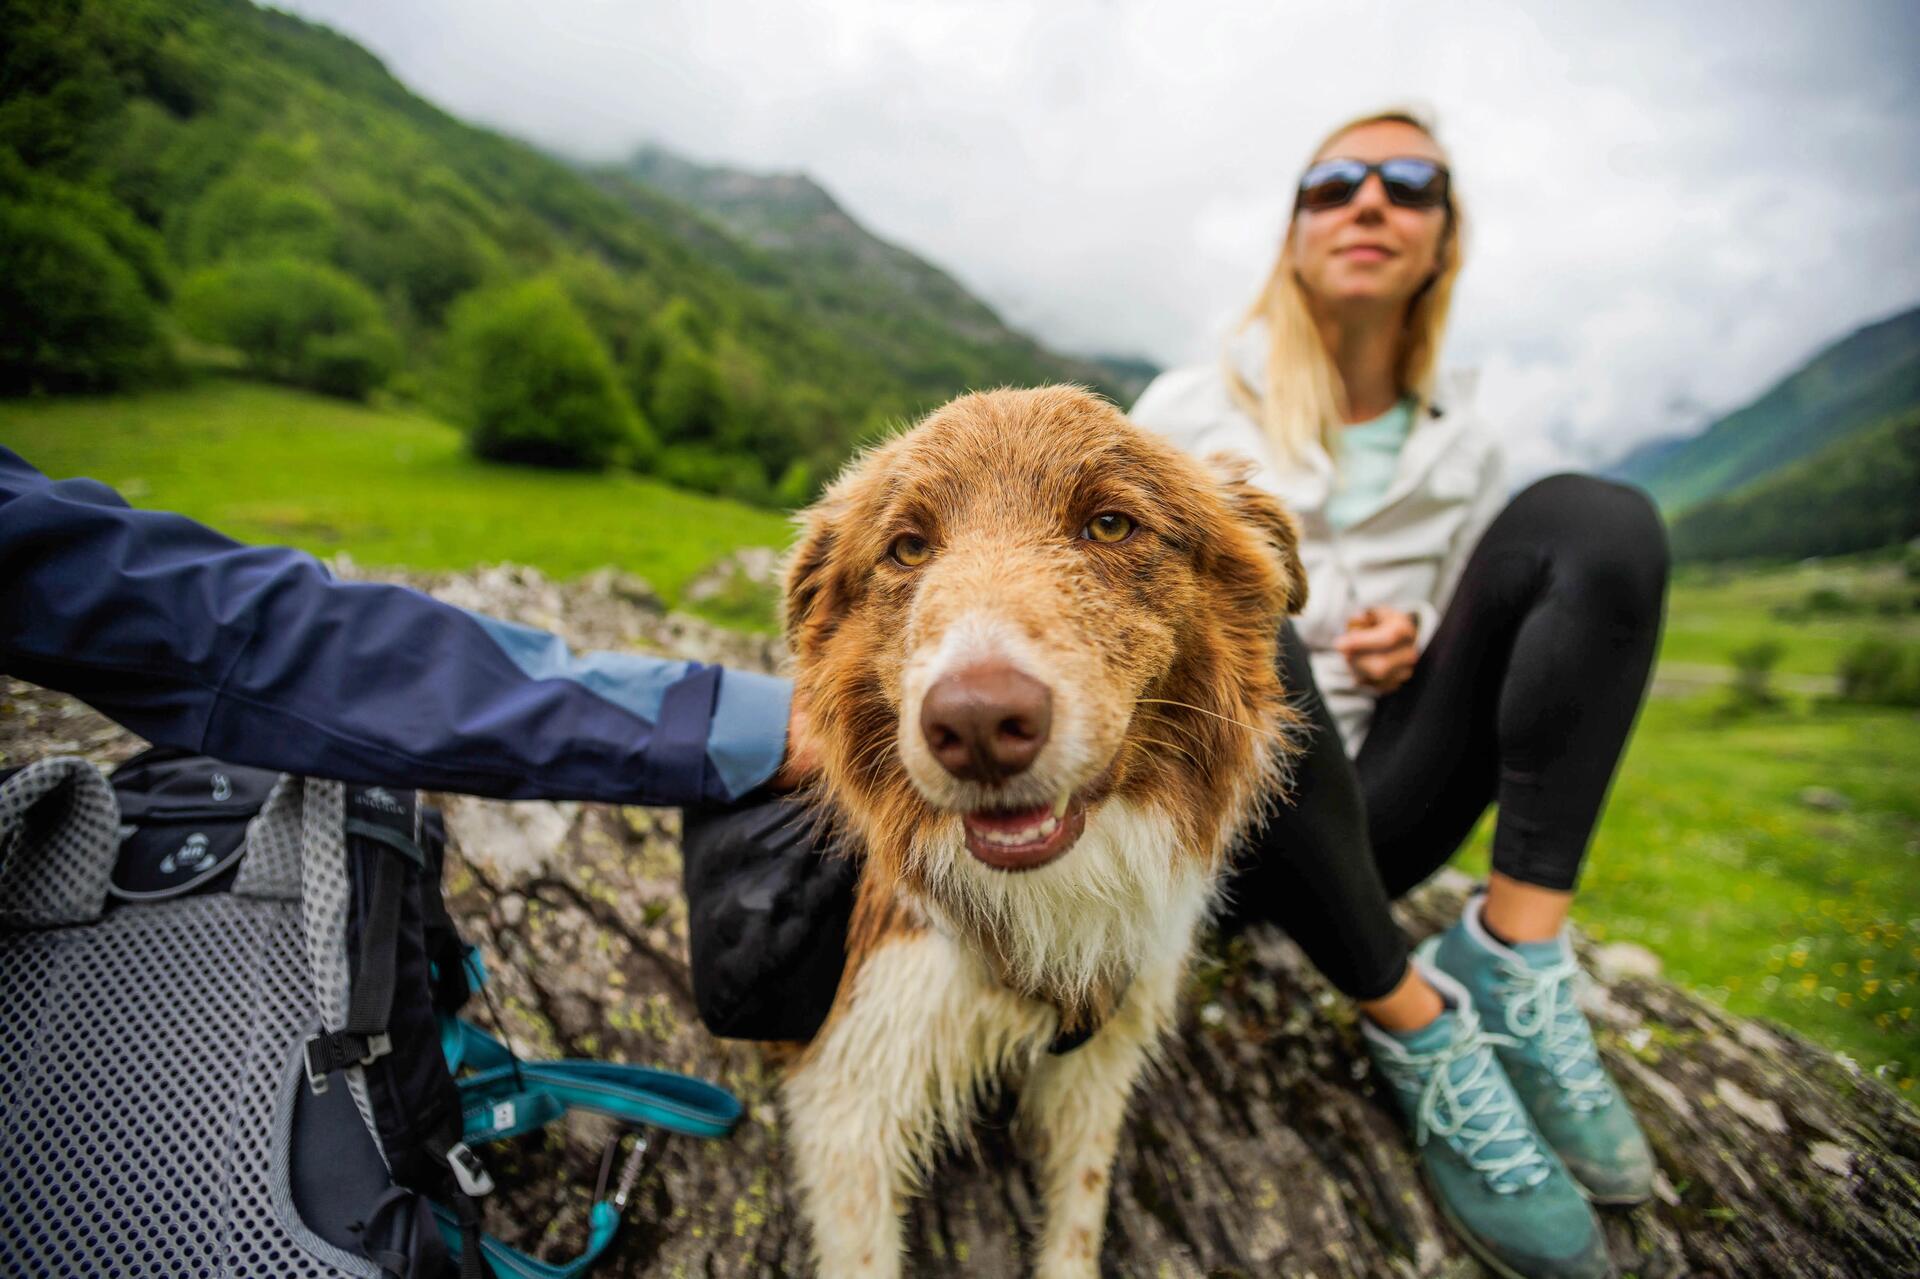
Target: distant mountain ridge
[1860, 493]
[1855, 384]
[876, 292]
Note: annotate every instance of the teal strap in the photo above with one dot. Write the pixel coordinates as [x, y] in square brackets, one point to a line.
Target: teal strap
[475, 966]
[500, 1115]
[507, 1260]
[633, 1094]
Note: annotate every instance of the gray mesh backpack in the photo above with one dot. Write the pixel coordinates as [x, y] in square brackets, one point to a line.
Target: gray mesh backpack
[229, 1043]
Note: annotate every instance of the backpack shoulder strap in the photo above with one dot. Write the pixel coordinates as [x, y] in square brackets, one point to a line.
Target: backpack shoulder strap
[390, 822]
[59, 834]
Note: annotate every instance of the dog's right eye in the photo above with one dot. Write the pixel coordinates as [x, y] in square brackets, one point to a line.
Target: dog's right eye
[910, 551]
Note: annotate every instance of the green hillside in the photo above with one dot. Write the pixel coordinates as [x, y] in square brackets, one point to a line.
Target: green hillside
[229, 181]
[1858, 494]
[1858, 382]
[918, 320]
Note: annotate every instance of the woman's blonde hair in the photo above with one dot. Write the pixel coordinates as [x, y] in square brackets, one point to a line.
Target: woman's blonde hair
[1303, 399]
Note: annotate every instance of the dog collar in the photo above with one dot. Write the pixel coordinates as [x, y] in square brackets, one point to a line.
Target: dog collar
[1067, 1041]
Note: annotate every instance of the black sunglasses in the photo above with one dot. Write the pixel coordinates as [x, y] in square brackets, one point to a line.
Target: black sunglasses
[1411, 183]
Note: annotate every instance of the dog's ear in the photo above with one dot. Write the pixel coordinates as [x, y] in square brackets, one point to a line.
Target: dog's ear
[810, 607]
[1262, 513]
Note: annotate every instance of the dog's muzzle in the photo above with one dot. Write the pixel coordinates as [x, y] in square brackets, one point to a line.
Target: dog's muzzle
[987, 722]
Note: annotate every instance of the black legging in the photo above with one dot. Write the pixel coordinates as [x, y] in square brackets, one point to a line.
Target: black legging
[1523, 698]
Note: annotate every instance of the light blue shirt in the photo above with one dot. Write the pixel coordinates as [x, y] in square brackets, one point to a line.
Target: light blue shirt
[1366, 456]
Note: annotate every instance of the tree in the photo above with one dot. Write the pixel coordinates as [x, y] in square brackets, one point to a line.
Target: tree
[539, 385]
[298, 322]
[73, 313]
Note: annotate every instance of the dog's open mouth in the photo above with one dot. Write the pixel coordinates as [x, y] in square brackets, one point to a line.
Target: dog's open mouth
[1024, 838]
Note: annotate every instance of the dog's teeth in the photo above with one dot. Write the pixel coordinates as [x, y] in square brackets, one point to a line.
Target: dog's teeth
[1047, 827]
[1060, 805]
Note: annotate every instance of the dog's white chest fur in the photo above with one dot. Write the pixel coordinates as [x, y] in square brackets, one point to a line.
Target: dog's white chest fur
[927, 1030]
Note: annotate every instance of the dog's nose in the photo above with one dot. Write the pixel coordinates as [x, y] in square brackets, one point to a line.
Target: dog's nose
[986, 723]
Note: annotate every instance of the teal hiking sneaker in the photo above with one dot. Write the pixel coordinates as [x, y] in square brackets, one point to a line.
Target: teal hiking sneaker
[1497, 1181]
[1526, 994]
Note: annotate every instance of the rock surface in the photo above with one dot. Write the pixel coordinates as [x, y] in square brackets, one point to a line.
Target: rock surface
[1261, 1146]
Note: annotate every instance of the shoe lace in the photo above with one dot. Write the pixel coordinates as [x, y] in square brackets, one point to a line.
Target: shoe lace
[1544, 1010]
[1450, 1107]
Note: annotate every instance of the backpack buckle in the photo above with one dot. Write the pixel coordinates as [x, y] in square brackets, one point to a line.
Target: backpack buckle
[468, 1172]
[333, 1050]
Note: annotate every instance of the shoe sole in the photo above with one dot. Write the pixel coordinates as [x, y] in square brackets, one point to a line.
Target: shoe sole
[1484, 1255]
[1610, 1201]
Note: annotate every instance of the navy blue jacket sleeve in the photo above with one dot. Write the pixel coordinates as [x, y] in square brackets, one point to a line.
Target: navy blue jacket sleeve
[257, 655]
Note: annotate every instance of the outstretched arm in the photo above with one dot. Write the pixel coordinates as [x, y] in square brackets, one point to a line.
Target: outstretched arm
[257, 655]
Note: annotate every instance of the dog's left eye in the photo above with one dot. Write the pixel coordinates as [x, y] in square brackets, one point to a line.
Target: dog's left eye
[1110, 527]
[910, 551]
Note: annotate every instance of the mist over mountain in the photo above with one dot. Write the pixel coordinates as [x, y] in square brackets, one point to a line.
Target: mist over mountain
[914, 315]
[1825, 462]
[1856, 383]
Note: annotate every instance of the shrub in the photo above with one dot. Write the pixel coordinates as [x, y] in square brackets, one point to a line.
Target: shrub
[1752, 687]
[704, 470]
[795, 487]
[74, 315]
[297, 322]
[1826, 599]
[1881, 672]
[539, 385]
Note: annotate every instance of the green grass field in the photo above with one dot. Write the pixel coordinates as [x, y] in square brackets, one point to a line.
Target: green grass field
[1813, 611]
[266, 464]
[1710, 853]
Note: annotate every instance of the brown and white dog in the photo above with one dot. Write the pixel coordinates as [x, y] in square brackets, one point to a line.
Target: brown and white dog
[1038, 647]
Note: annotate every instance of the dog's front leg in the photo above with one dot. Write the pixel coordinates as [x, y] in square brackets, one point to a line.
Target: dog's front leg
[850, 1163]
[1071, 1112]
[866, 1105]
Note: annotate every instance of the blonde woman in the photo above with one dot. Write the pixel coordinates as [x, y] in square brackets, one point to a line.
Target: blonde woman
[1459, 648]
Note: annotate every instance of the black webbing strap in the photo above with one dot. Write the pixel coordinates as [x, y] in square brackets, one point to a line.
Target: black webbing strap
[467, 1182]
[379, 822]
[473, 1263]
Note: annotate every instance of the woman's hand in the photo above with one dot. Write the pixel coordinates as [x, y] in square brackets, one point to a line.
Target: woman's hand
[1379, 646]
[803, 752]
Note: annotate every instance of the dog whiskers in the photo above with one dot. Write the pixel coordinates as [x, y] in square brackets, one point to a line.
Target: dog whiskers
[1252, 728]
[868, 760]
[1155, 741]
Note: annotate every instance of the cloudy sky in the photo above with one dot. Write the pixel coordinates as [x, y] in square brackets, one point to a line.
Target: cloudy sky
[1673, 204]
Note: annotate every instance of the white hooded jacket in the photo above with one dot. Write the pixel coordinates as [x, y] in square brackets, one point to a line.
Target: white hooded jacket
[1406, 552]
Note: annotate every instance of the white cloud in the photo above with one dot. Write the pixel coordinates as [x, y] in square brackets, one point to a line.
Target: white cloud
[1673, 203]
